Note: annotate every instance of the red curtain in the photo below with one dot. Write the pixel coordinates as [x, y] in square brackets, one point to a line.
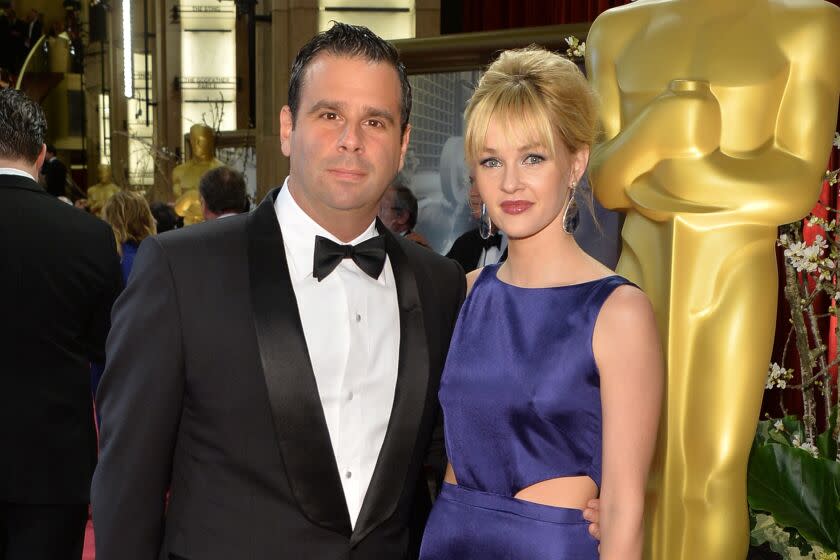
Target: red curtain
[489, 15]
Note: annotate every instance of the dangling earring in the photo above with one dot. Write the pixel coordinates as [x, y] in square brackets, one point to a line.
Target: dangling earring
[571, 219]
[485, 226]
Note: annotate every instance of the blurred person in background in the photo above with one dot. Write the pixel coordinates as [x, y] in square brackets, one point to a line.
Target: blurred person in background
[223, 193]
[398, 211]
[59, 277]
[132, 221]
[473, 251]
[165, 217]
[54, 173]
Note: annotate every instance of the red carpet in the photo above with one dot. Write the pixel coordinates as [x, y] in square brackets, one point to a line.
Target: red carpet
[90, 550]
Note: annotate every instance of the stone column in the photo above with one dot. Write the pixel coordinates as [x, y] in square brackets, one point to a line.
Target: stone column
[167, 66]
[293, 23]
[119, 122]
[426, 18]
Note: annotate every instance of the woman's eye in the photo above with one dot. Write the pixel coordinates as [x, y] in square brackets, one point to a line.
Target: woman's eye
[491, 162]
[532, 159]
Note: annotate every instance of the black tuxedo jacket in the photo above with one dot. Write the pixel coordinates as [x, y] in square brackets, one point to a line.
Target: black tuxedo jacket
[59, 276]
[209, 391]
[467, 250]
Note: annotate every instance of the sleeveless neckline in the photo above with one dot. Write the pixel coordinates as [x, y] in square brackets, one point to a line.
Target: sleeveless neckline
[494, 274]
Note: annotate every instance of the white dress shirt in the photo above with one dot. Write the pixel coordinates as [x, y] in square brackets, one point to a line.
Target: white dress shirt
[13, 171]
[352, 327]
[493, 254]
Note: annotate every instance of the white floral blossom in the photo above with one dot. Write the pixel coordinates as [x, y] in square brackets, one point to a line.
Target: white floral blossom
[837, 140]
[577, 49]
[810, 448]
[779, 426]
[777, 376]
[808, 258]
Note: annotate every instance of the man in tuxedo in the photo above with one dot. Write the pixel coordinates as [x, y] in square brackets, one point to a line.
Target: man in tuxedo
[54, 173]
[223, 193]
[59, 276]
[34, 28]
[470, 250]
[278, 371]
[398, 211]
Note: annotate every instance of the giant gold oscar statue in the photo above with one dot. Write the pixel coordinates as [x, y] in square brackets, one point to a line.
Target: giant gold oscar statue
[717, 117]
[185, 177]
[101, 192]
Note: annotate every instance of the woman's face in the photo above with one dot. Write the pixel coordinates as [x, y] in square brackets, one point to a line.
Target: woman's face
[524, 185]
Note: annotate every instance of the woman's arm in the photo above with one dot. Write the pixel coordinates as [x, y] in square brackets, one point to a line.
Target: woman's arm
[628, 355]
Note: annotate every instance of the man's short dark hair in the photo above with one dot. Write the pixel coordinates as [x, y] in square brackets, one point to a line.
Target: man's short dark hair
[404, 200]
[23, 127]
[347, 40]
[223, 190]
[164, 216]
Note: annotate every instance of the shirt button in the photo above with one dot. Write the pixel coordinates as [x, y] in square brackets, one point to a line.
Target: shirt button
[358, 318]
[348, 474]
[350, 396]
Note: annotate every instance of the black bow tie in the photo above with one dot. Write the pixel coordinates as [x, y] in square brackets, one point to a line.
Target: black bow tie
[494, 240]
[368, 255]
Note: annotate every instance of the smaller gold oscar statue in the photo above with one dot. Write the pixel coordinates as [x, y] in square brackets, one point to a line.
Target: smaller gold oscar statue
[186, 176]
[101, 192]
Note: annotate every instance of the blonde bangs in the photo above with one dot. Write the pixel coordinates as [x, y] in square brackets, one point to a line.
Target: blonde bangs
[519, 110]
[538, 96]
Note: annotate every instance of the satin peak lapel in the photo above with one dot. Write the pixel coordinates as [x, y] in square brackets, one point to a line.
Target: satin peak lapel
[389, 476]
[299, 421]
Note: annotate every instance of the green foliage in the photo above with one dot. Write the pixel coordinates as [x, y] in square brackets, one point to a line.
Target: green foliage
[800, 491]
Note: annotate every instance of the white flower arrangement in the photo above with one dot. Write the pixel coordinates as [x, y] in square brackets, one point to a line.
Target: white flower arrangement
[577, 48]
[809, 258]
[777, 376]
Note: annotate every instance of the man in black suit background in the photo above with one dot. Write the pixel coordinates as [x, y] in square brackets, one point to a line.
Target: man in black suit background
[54, 173]
[287, 394]
[470, 250]
[59, 276]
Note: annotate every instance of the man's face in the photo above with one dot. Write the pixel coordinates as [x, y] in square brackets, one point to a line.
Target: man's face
[391, 216]
[346, 146]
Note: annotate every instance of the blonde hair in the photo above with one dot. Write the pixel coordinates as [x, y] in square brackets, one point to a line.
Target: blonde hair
[537, 92]
[130, 218]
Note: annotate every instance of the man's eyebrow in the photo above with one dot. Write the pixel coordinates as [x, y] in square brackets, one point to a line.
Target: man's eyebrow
[326, 104]
[377, 112]
[340, 106]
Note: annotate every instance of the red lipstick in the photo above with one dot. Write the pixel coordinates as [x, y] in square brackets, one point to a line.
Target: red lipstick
[515, 206]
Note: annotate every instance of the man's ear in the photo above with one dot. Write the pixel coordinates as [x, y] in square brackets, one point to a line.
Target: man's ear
[286, 129]
[404, 145]
[39, 161]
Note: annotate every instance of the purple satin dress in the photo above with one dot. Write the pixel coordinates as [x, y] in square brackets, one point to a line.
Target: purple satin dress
[521, 401]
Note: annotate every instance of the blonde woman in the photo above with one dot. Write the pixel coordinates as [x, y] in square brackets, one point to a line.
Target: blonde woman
[131, 219]
[552, 387]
